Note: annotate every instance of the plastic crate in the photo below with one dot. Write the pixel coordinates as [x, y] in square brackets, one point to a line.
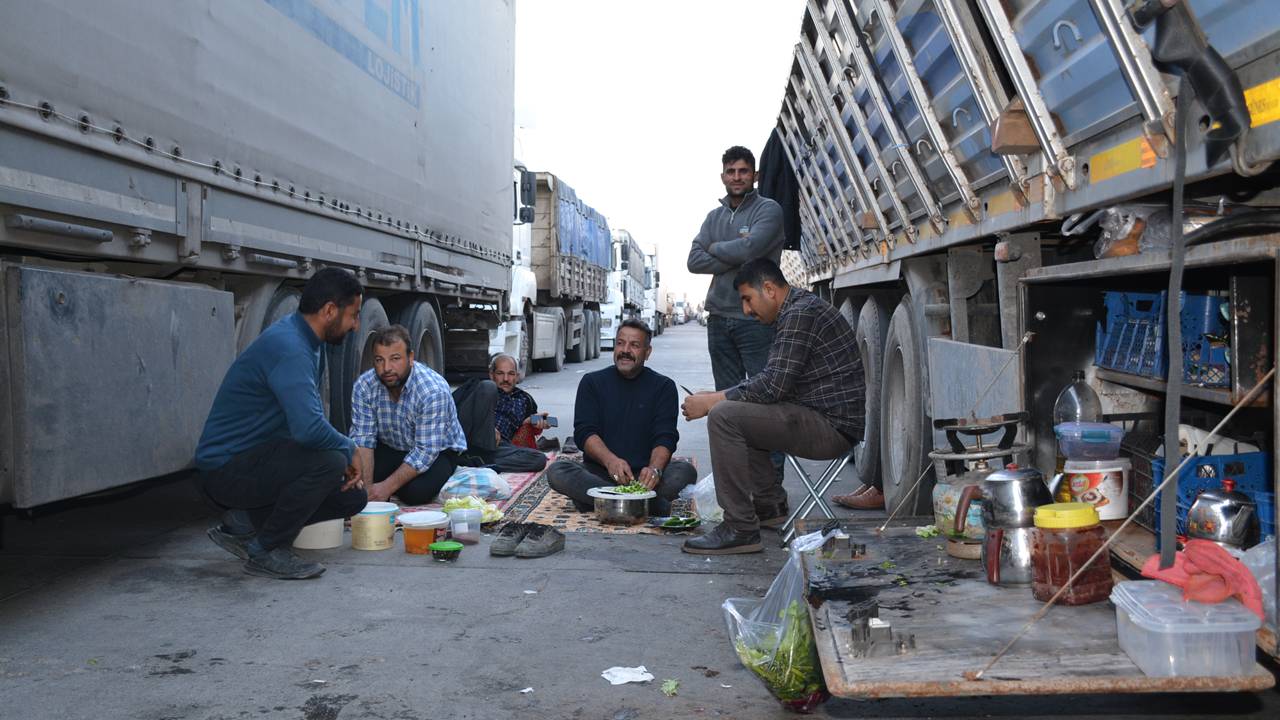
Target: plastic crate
[1132, 339]
[1251, 472]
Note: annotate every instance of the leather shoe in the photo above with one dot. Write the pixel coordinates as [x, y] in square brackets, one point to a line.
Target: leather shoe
[865, 498]
[773, 516]
[723, 540]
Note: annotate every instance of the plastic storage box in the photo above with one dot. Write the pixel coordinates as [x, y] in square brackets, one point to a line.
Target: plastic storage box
[1166, 636]
[1132, 339]
[1089, 440]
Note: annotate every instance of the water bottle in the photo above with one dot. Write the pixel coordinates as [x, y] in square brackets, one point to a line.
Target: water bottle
[1077, 402]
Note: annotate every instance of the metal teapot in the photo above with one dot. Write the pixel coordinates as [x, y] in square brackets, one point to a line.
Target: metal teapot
[1225, 516]
[1009, 501]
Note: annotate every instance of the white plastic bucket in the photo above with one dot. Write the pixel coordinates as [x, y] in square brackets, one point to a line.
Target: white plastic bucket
[324, 535]
[374, 528]
[1104, 484]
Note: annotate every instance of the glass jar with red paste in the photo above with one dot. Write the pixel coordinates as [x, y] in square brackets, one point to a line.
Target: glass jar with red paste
[1066, 536]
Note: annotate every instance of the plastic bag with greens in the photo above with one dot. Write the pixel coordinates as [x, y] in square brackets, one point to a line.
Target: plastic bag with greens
[773, 636]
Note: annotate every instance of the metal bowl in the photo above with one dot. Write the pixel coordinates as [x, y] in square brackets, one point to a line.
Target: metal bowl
[616, 509]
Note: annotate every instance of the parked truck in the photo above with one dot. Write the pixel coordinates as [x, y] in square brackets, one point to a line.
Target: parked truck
[626, 287]
[562, 252]
[979, 184]
[651, 313]
[170, 175]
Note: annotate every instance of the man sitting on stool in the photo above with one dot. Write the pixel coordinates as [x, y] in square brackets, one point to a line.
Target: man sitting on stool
[624, 419]
[404, 424]
[808, 401]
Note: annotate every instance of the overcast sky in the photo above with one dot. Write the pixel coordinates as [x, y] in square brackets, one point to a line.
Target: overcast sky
[632, 104]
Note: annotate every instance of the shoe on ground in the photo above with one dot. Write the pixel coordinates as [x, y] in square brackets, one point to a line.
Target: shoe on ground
[504, 545]
[548, 444]
[865, 498]
[570, 447]
[237, 522]
[724, 540]
[282, 564]
[773, 516]
[237, 545]
[540, 541]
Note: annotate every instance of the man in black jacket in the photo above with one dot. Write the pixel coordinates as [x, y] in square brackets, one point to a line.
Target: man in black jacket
[624, 420]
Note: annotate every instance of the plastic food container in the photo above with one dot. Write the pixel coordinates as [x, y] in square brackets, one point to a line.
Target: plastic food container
[1089, 440]
[464, 525]
[446, 550]
[1104, 484]
[374, 528]
[421, 529]
[1165, 636]
[1066, 536]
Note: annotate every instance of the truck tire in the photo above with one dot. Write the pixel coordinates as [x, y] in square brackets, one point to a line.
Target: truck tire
[903, 424]
[578, 353]
[350, 359]
[595, 334]
[420, 319]
[556, 362]
[871, 323]
[588, 333]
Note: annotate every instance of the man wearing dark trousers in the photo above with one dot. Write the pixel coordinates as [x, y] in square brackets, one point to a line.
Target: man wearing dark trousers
[403, 423]
[808, 401]
[267, 454]
[624, 419]
[745, 226]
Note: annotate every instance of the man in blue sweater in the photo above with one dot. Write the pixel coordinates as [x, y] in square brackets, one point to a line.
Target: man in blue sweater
[267, 453]
[624, 419]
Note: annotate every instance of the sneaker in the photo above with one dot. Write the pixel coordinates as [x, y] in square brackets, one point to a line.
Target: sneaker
[504, 545]
[570, 447]
[282, 564]
[548, 444]
[237, 545]
[540, 541]
[723, 540]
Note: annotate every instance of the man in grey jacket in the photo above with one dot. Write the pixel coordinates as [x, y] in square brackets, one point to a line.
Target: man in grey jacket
[746, 226]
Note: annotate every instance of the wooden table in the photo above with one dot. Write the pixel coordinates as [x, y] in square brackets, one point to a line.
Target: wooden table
[959, 622]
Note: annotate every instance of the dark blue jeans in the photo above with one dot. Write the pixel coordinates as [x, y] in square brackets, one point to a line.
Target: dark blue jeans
[740, 349]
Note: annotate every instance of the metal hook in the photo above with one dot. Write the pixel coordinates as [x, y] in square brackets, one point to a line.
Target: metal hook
[955, 123]
[895, 164]
[924, 142]
[1057, 36]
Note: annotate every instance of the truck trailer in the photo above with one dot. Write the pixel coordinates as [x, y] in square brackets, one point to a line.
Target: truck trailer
[626, 287]
[994, 193]
[171, 174]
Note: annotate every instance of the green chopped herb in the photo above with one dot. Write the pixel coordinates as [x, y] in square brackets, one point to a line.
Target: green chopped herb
[631, 489]
[927, 531]
[669, 687]
[888, 565]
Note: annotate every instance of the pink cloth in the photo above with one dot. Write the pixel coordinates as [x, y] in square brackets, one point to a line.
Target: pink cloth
[1208, 574]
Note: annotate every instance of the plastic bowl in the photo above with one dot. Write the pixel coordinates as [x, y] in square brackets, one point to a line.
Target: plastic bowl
[422, 529]
[446, 550]
[324, 535]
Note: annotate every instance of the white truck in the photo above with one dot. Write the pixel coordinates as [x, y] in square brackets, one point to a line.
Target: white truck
[561, 252]
[172, 173]
[650, 313]
[626, 287]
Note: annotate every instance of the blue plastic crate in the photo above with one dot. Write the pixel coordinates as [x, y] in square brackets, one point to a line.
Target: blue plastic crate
[1250, 471]
[1132, 339]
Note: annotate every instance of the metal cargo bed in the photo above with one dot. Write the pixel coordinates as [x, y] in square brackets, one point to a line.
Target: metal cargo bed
[954, 622]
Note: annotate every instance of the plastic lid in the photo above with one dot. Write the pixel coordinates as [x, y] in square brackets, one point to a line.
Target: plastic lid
[424, 519]
[1066, 515]
[445, 545]
[1096, 465]
[1158, 607]
[379, 507]
[1092, 432]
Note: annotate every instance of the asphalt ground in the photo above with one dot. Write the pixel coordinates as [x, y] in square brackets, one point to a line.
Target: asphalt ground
[120, 607]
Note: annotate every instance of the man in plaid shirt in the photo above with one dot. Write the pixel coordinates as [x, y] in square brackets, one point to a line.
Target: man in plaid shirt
[808, 401]
[404, 423]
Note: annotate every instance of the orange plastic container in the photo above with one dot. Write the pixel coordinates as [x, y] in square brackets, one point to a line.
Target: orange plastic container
[421, 529]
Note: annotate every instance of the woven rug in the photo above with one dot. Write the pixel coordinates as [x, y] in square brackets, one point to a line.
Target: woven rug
[539, 503]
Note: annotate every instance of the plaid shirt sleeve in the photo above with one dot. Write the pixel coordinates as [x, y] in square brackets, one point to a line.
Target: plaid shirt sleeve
[364, 424]
[436, 427]
[792, 340]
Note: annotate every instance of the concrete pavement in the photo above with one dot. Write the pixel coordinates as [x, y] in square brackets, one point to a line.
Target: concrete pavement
[121, 608]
